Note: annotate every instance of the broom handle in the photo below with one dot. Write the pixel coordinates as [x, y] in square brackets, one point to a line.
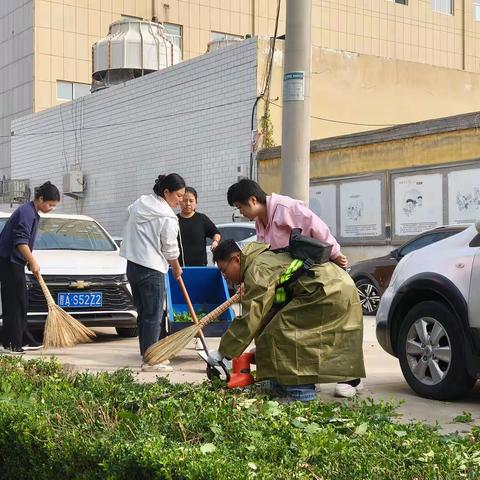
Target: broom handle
[219, 310]
[186, 296]
[45, 290]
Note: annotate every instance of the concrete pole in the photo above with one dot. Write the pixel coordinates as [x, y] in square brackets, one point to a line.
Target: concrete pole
[295, 162]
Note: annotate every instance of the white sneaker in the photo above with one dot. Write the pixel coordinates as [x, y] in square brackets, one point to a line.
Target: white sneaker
[345, 390]
[159, 367]
[28, 348]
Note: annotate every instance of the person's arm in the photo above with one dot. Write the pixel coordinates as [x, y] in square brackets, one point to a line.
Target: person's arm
[212, 232]
[256, 303]
[21, 239]
[313, 226]
[169, 244]
[32, 264]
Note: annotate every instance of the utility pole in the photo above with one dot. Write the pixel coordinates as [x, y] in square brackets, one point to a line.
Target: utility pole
[295, 162]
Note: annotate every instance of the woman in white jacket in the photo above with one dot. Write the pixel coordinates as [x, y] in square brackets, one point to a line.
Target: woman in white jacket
[150, 246]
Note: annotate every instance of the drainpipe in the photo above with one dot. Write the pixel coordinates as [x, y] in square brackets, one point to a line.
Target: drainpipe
[154, 13]
[253, 18]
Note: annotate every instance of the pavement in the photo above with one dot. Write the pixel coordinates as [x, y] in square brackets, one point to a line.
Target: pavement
[384, 379]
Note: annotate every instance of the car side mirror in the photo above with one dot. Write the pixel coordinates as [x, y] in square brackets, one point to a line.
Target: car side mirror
[395, 254]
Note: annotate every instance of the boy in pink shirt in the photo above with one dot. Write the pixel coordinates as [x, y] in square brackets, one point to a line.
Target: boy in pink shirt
[276, 215]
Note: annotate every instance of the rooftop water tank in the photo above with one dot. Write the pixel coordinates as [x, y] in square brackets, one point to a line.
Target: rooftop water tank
[131, 49]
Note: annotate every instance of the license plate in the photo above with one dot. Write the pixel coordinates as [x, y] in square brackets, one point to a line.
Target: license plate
[80, 300]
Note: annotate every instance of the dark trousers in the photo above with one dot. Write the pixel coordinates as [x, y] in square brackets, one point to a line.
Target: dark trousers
[148, 290]
[14, 305]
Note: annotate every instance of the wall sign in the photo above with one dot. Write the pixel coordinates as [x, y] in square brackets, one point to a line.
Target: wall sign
[361, 209]
[323, 202]
[464, 196]
[418, 201]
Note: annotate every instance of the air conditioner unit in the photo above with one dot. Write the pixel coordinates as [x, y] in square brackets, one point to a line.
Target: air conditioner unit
[243, 171]
[73, 184]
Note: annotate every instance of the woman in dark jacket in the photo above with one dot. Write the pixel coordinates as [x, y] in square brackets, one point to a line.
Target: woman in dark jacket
[16, 244]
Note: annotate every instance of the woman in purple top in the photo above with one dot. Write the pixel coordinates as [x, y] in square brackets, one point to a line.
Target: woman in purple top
[16, 245]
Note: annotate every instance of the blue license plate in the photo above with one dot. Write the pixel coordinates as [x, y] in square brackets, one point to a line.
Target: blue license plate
[80, 300]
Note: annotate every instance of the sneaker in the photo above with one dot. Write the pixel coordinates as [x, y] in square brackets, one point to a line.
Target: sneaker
[159, 367]
[11, 351]
[344, 390]
[32, 346]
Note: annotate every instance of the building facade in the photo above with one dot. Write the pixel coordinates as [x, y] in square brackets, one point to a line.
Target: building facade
[45, 45]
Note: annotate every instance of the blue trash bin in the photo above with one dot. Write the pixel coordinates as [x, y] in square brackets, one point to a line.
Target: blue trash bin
[207, 290]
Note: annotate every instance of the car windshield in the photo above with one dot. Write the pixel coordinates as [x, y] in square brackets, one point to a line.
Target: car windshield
[3, 221]
[239, 234]
[72, 234]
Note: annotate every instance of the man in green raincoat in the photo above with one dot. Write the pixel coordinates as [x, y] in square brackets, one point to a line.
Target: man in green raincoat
[316, 337]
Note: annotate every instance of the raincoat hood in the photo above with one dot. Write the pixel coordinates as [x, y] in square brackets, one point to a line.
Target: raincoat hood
[150, 207]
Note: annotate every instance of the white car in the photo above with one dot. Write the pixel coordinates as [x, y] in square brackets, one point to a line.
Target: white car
[242, 232]
[82, 267]
[429, 316]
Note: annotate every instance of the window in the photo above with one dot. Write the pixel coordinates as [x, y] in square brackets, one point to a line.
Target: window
[476, 11]
[224, 36]
[426, 240]
[71, 90]
[174, 34]
[443, 6]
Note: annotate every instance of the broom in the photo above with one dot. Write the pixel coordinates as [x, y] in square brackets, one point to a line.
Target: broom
[61, 329]
[169, 347]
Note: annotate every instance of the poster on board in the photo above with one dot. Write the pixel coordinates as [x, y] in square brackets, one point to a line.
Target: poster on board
[361, 209]
[323, 202]
[464, 196]
[418, 203]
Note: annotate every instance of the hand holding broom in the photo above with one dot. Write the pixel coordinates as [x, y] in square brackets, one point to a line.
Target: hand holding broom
[61, 329]
[169, 347]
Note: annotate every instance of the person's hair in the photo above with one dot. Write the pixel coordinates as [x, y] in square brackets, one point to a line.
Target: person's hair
[192, 191]
[225, 250]
[171, 182]
[48, 192]
[241, 191]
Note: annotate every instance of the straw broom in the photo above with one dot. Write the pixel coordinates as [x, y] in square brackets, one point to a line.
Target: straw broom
[61, 329]
[168, 347]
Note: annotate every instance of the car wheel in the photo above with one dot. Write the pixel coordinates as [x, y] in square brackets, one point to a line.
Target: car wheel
[430, 350]
[127, 332]
[369, 296]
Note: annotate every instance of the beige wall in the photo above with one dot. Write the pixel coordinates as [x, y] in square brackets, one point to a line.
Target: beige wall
[349, 89]
[66, 29]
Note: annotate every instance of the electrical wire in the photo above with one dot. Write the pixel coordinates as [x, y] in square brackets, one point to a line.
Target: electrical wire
[265, 91]
[132, 122]
[348, 123]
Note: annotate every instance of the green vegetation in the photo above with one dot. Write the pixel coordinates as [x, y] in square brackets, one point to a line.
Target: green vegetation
[186, 317]
[61, 425]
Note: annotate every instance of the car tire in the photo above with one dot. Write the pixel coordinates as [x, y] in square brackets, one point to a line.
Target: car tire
[431, 352]
[369, 296]
[127, 332]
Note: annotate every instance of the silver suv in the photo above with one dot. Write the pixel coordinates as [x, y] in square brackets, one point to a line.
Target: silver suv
[429, 316]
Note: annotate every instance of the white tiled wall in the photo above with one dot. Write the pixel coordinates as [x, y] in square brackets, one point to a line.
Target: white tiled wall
[193, 119]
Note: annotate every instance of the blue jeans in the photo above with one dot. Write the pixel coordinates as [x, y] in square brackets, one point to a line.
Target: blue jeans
[148, 291]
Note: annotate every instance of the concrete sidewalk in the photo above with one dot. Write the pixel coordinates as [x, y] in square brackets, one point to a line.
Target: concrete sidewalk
[384, 378]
